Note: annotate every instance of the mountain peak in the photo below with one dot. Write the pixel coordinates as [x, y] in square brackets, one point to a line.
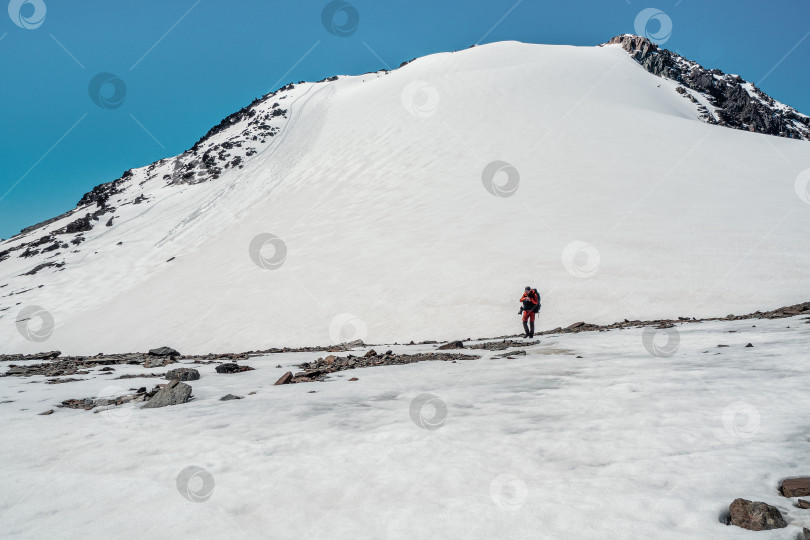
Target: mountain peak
[726, 100]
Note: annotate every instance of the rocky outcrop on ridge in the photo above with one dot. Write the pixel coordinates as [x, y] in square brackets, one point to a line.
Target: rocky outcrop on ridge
[737, 103]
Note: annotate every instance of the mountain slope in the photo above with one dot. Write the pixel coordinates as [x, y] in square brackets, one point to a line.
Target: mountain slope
[628, 205]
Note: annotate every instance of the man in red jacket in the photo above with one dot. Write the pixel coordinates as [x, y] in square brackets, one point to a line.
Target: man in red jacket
[531, 305]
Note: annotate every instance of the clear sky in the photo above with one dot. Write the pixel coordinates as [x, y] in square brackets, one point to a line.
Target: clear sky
[179, 66]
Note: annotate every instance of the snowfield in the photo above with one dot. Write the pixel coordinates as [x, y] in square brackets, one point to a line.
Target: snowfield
[616, 444]
[374, 221]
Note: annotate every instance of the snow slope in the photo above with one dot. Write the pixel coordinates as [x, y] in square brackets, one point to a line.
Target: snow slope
[628, 206]
[617, 444]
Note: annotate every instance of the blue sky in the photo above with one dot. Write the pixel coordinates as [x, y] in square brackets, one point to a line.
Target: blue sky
[186, 64]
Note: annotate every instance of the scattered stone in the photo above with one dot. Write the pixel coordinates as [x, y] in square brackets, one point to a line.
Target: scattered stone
[755, 516]
[230, 397]
[35, 356]
[139, 376]
[60, 381]
[107, 368]
[795, 487]
[451, 345]
[46, 413]
[183, 374]
[285, 379]
[158, 361]
[251, 393]
[353, 379]
[576, 325]
[320, 369]
[173, 393]
[749, 345]
[371, 353]
[722, 346]
[329, 360]
[232, 368]
[801, 503]
[805, 534]
[163, 351]
[510, 355]
[500, 345]
[85, 404]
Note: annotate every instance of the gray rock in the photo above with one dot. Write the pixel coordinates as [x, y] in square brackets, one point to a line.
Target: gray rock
[157, 361]
[229, 397]
[183, 374]
[755, 516]
[173, 393]
[163, 351]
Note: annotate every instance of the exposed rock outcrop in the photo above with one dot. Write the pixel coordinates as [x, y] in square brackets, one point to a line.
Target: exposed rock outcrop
[737, 103]
[173, 393]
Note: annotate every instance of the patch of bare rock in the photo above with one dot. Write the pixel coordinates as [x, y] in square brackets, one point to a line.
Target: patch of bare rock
[322, 367]
[760, 516]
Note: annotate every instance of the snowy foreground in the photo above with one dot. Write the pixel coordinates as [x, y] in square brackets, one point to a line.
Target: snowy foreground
[616, 444]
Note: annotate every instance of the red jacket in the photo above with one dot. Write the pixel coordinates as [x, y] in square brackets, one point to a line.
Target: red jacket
[531, 296]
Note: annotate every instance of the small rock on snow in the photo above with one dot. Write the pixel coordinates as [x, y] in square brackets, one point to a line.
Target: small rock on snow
[285, 379]
[796, 487]
[183, 374]
[755, 516]
[232, 368]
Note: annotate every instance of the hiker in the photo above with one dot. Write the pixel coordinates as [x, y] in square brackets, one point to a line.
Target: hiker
[530, 308]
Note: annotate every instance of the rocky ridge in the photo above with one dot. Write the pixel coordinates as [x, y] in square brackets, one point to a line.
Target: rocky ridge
[736, 103]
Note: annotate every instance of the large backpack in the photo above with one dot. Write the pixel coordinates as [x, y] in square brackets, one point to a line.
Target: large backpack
[537, 295]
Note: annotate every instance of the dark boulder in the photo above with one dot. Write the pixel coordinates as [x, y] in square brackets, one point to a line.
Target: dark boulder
[232, 368]
[163, 351]
[173, 393]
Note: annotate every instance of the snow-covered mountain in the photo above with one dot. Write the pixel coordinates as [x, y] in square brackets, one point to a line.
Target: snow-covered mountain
[417, 203]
